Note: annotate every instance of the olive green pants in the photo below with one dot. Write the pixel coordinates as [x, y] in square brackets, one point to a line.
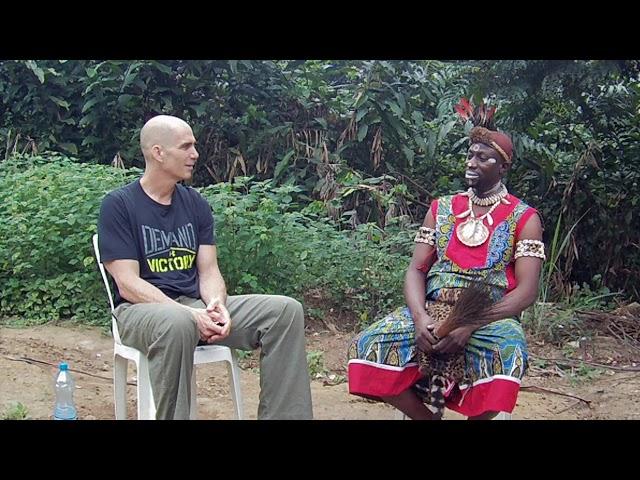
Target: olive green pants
[167, 334]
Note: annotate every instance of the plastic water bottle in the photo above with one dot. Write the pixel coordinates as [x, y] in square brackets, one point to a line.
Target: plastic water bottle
[65, 409]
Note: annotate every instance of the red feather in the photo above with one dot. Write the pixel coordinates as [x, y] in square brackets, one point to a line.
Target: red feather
[464, 109]
[482, 115]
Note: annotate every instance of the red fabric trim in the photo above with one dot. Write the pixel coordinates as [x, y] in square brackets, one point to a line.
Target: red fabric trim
[374, 381]
[434, 208]
[523, 221]
[512, 281]
[497, 395]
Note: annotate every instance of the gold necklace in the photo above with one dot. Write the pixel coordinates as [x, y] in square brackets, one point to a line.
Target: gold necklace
[473, 231]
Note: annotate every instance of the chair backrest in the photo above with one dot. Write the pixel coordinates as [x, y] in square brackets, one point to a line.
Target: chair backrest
[105, 279]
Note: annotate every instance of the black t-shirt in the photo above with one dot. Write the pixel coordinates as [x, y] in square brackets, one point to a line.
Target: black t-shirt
[164, 239]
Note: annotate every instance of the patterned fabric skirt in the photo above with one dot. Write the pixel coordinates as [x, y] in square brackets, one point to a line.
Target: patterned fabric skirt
[383, 362]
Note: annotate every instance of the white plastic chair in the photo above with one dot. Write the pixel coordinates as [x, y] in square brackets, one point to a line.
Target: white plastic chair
[146, 404]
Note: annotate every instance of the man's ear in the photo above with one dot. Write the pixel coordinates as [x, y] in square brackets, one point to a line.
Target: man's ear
[156, 151]
[504, 168]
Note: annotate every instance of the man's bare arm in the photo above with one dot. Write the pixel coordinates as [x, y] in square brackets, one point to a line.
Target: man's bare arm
[132, 288]
[212, 286]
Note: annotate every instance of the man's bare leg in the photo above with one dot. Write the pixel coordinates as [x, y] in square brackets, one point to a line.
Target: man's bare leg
[411, 405]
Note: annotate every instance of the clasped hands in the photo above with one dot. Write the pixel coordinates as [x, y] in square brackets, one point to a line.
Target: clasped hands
[427, 341]
[214, 322]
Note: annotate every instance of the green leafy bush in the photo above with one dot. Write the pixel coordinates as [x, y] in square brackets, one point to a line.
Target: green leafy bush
[267, 243]
[48, 212]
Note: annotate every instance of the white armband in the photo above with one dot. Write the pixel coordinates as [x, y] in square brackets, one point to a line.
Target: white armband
[426, 235]
[530, 248]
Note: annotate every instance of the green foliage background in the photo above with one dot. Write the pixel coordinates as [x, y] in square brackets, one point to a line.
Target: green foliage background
[317, 170]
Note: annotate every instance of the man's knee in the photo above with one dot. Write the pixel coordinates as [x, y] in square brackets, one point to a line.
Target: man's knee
[291, 309]
[177, 323]
[295, 307]
[292, 304]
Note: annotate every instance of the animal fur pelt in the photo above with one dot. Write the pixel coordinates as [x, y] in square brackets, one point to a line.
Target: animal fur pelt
[470, 309]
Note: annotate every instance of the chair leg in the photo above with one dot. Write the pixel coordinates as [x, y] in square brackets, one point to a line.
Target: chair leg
[234, 384]
[120, 386]
[146, 404]
[193, 406]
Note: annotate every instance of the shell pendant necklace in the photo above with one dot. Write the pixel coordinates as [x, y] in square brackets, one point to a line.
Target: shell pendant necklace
[473, 231]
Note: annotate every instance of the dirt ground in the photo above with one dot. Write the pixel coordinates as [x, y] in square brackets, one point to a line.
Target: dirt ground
[578, 393]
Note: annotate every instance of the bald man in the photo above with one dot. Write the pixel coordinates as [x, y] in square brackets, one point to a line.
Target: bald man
[157, 240]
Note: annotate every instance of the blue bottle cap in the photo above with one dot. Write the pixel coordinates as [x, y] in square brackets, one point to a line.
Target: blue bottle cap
[64, 366]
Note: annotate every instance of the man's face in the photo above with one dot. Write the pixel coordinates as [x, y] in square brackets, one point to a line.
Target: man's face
[485, 167]
[180, 154]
